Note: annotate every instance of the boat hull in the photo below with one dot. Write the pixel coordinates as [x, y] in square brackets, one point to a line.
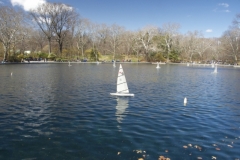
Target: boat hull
[122, 94]
[158, 63]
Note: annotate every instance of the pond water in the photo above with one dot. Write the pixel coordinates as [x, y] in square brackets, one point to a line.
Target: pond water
[53, 111]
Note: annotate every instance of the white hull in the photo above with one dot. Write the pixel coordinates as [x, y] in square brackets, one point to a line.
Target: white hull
[159, 63]
[122, 94]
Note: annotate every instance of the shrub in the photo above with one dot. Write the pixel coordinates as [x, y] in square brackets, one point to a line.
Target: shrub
[52, 56]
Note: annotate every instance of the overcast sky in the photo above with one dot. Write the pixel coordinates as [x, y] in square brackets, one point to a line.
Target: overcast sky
[211, 17]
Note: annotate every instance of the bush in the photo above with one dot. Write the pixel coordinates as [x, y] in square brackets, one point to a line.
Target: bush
[15, 58]
[52, 56]
[159, 57]
[91, 54]
[43, 55]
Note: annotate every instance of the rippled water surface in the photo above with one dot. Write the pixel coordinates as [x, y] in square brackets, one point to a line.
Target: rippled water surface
[52, 111]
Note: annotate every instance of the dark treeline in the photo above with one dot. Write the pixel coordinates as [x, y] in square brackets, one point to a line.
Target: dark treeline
[56, 31]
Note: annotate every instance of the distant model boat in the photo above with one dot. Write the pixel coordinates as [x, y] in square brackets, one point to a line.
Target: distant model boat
[122, 87]
[212, 65]
[158, 65]
[185, 100]
[69, 64]
[114, 64]
[215, 69]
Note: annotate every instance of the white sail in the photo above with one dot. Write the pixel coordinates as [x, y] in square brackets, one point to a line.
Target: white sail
[122, 86]
[185, 100]
[215, 70]
[114, 64]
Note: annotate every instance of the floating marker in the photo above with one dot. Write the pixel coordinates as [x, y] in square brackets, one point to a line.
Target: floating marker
[185, 100]
[11, 73]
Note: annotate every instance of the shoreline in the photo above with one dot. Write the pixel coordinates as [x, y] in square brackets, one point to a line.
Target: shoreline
[46, 62]
[154, 63]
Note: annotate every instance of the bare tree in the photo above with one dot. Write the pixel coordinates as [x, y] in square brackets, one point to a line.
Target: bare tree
[129, 40]
[202, 44]
[10, 23]
[115, 38]
[169, 31]
[93, 28]
[215, 46]
[23, 38]
[63, 18]
[39, 39]
[236, 21]
[190, 44]
[145, 36]
[102, 36]
[82, 34]
[42, 16]
[137, 44]
[230, 40]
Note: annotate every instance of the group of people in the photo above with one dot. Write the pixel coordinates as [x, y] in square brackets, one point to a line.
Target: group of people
[4, 60]
[128, 60]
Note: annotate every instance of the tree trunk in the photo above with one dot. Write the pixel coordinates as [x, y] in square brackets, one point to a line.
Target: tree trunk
[168, 52]
[82, 53]
[60, 47]
[5, 53]
[49, 46]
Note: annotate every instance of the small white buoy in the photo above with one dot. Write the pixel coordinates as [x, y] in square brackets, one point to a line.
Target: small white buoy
[185, 101]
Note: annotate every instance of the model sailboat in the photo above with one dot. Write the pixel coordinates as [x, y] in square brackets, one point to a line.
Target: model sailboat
[114, 64]
[122, 87]
[215, 69]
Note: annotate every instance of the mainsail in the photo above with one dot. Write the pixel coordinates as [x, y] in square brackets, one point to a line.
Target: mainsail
[122, 86]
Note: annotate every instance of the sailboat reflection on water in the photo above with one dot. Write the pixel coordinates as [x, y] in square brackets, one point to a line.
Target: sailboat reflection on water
[122, 105]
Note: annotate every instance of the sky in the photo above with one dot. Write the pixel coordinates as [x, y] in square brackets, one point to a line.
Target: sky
[211, 17]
